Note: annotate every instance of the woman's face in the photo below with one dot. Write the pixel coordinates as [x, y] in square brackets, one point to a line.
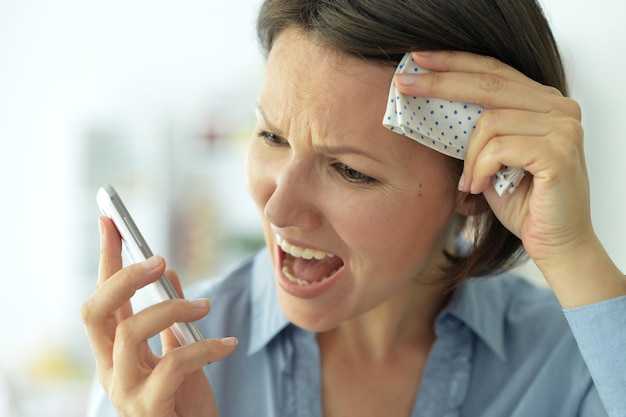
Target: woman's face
[369, 207]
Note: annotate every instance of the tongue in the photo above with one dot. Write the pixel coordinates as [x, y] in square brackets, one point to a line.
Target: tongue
[314, 270]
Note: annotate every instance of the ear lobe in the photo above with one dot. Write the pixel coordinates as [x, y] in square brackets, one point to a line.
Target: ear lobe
[468, 204]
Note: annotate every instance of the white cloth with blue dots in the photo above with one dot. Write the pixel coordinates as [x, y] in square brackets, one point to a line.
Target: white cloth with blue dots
[445, 126]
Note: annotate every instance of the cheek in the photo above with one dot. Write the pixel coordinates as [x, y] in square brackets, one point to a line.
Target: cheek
[396, 235]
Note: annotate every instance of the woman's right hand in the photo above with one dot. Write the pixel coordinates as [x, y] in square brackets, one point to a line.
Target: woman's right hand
[139, 382]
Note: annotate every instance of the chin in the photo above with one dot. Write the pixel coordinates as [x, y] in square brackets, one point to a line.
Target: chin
[308, 316]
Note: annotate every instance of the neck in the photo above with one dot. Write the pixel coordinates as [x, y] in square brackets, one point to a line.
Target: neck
[404, 321]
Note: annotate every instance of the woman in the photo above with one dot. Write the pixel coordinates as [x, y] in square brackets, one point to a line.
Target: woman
[364, 302]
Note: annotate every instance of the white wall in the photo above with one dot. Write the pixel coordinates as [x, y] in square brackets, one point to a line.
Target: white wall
[67, 63]
[592, 38]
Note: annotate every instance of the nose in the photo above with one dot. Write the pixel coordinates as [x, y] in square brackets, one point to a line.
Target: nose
[293, 202]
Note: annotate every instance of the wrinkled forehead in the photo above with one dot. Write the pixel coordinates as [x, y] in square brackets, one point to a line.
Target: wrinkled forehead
[303, 75]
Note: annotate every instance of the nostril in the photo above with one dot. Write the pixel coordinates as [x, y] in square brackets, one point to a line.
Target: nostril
[291, 206]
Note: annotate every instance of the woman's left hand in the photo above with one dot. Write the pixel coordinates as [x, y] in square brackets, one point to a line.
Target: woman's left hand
[524, 124]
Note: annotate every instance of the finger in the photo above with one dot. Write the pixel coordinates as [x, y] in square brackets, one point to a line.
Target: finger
[175, 280]
[547, 159]
[117, 291]
[466, 77]
[168, 340]
[502, 122]
[457, 61]
[499, 152]
[99, 331]
[176, 364]
[101, 312]
[111, 258]
[132, 334]
[110, 249]
[516, 203]
[487, 90]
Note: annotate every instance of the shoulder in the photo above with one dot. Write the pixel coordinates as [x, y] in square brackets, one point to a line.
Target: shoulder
[527, 307]
[512, 314]
[528, 301]
[515, 297]
[533, 316]
[526, 356]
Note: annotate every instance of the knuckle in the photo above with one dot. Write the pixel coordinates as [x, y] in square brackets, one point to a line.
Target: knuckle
[487, 126]
[449, 56]
[572, 107]
[574, 127]
[568, 144]
[124, 331]
[553, 91]
[573, 133]
[492, 64]
[488, 119]
[434, 80]
[87, 312]
[566, 106]
[494, 148]
[171, 362]
[491, 83]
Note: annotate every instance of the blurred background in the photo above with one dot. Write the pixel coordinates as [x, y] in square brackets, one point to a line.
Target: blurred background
[157, 97]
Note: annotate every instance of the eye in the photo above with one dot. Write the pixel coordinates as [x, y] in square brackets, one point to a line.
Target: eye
[353, 175]
[272, 138]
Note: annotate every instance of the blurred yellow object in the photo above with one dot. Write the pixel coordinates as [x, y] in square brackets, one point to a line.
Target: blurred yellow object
[56, 364]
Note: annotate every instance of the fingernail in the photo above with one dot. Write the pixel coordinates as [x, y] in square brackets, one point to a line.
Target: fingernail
[424, 53]
[461, 185]
[152, 262]
[201, 303]
[229, 341]
[406, 79]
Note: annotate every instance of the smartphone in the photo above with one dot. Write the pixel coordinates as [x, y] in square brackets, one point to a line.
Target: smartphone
[137, 250]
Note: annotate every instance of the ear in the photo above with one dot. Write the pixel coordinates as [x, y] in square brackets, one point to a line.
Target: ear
[470, 204]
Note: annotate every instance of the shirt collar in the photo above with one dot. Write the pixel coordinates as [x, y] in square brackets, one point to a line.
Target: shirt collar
[267, 318]
[480, 303]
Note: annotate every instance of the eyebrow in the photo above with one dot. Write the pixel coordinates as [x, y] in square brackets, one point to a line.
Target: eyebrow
[326, 149]
[269, 124]
[346, 149]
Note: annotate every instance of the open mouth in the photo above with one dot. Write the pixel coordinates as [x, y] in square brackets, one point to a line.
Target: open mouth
[305, 266]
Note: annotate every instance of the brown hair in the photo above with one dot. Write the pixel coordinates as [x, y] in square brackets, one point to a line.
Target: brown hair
[513, 31]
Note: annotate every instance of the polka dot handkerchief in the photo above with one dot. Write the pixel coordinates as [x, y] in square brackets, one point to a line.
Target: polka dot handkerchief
[445, 126]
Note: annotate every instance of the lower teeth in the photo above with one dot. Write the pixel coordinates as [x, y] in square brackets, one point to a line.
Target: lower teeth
[287, 272]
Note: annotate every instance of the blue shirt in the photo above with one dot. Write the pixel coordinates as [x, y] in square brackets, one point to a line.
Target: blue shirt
[503, 349]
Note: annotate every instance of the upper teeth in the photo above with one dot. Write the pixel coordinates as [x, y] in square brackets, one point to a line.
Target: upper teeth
[299, 252]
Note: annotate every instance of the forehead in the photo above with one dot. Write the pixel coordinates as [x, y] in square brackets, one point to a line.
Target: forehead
[314, 93]
[309, 57]
[304, 76]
